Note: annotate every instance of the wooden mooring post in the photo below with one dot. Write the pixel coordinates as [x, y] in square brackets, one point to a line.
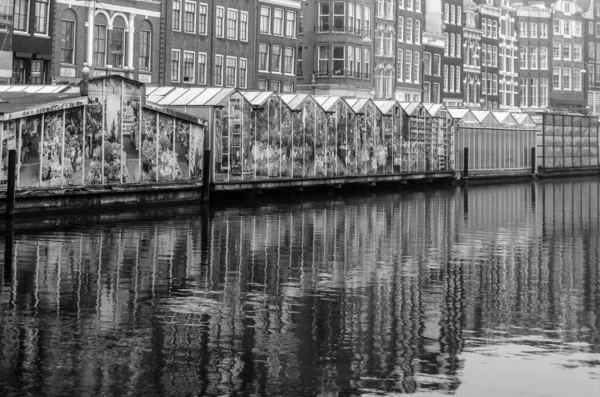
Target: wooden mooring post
[466, 163]
[533, 160]
[12, 176]
[206, 171]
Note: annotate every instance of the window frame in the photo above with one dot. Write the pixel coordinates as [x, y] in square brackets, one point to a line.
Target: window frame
[220, 28]
[184, 66]
[63, 40]
[230, 12]
[243, 75]
[243, 34]
[173, 10]
[202, 69]
[289, 22]
[44, 18]
[276, 25]
[23, 17]
[219, 76]
[226, 81]
[265, 28]
[285, 57]
[178, 61]
[195, 17]
[202, 19]
[149, 48]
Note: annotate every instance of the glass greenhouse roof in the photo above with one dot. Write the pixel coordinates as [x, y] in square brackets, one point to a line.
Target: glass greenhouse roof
[39, 89]
[257, 98]
[327, 103]
[294, 101]
[357, 104]
[385, 107]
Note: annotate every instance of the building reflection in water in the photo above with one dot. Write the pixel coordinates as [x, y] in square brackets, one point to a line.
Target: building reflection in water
[376, 293]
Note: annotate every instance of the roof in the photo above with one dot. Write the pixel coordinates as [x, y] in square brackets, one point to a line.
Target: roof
[257, 98]
[385, 107]
[464, 115]
[170, 96]
[411, 107]
[434, 108]
[20, 104]
[357, 104]
[505, 118]
[523, 119]
[32, 89]
[294, 101]
[327, 103]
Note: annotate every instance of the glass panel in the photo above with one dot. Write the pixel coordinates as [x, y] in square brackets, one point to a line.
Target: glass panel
[331, 149]
[310, 124]
[249, 142]
[9, 142]
[351, 153]
[386, 149]
[235, 129]
[321, 144]
[371, 131]
[131, 136]
[274, 138]
[182, 141]
[52, 166]
[221, 131]
[30, 157]
[93, 144]
[286, 142]
[262, 149]
[149, 146]
[74, 147]
[168, 167]
[298, 142]
[196, 152]
[362, 141]
[342, 149]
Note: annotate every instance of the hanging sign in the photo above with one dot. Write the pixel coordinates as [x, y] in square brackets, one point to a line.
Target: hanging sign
[36, 68]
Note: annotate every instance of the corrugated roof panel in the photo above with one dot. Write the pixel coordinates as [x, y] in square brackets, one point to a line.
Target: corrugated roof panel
[187, 97]
[154, 98]
[4, 88]
[219, 96]
[16, 88]
[293, 101]
[357, 104]
[172, 96]
[411, 107]
[162, 91]
[150, 90]
[32, 89]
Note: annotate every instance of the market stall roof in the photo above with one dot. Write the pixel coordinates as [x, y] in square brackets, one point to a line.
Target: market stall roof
[434, 109]
[169, 96]
[16, 105]
[412, 108]
[464, 115]
[294, 101]
[385, 107]
[257, 98]
[523, 119]
[327, 103]
[505, 118]
[357, 104]
[486, 117]
[32, 89]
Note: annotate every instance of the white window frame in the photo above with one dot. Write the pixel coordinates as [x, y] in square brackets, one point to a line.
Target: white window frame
[46, 31]
[293, 60]
[221, 11]
[193, 81]
[288, 22]
[178, 52]
[557, 82]
[180, 15]
[282, 26]
[245, 62]
[201, 17]
[235, 75]
[235, 12]
[244, 23]
[193, 4]
[204, 56]
[267, 17]
[219, 56]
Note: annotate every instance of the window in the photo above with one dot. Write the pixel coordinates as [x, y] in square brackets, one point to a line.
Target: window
[556, 81]
[446, 44]
[230, 70]
[350, 67]
[459, 15]
[338, 60]
[367, 63]
[543, 58]
[202, 18]
[276, 59]
[523, 29]
[566, 28]
[533, 58]
[533, 30]
[380, 7]
[591, 52]
[495, 84]
[67, 42]
[201, 68]
[358, 62]
[299, 62]
[597, 29]
[338, 16]
[451, 79]
[400, 28]
[367, 18]
[437, 63]
[99, 45]
[41, 16]
[452, 14]
[278, 22]
[533, 92]
[408, 66]
[524, 96]
[577, 29]
[436, 93]
[452, 44]
[523, 53]
[232, 24]
[576, 79]
[175, 54]
[243, 26]
[556, 26]
[21, 15]
[566, 78]
[218, 69]
[446, 13]
[290, 24]
[556, 50]
[567, 52]
[445, 77]
[263, 57]
[389, 9]
[577, 52]
[418, 32]
[176, 15]
[495, 29]
[350, 23]
[484, 27]
[189, 63]
[145, 46]
[288, 61]
[458, 45]
[417, 5]
[458, 79]
[591, 27]
[358, 19]
[189, 17]
[409, 30]
[243, 73]
[220, 29]
[400, 65]
[262, 85]
[417, 66]
[265, 18]
[544, 92]
[275, 86]
[427, 63]
[118, 47]
[544, 31]
[591, 76]
[323, 59]
[288, 87]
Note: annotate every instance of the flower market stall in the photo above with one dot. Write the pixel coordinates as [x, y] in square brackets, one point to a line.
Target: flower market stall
[390, 119]
[109, 138]
[419, 128]
[303, 110]
[441, 143]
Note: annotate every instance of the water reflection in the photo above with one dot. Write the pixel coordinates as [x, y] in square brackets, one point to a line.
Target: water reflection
[355, 295]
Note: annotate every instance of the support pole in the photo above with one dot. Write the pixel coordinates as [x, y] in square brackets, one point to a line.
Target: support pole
[206, 172]
[10, 193]
[533, 160]
[466, 163]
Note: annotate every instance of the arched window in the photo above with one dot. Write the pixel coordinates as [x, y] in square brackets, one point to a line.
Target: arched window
[118, 43]
[100, 26]
[145, 46]
[68, 25]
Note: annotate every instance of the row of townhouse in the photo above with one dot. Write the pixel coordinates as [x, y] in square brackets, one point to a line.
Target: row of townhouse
[478, 53]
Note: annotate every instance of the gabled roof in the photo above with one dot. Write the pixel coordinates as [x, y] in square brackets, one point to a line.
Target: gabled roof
[434, 108]
[523, 119]
[294, 101]
[464, 115]
[16, 105]
[505, 118]
[385, 107]
[357, 104]
[327, 103]
[169, 96]
[411, 107]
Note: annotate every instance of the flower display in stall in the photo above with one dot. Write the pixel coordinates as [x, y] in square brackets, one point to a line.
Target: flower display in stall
[53, 171]
[168, 166]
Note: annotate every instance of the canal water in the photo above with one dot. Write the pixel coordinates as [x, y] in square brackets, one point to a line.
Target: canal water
[489, 291]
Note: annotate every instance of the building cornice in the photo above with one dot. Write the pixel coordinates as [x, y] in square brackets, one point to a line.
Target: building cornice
[117, 8]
